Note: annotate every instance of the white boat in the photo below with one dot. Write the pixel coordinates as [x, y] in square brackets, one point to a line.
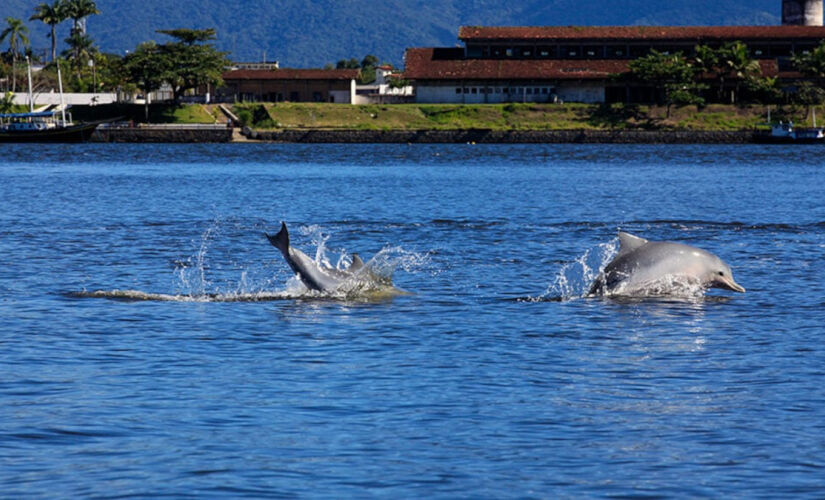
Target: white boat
[786, 132]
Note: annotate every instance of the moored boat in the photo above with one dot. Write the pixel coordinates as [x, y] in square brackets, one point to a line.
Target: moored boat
[786, 133]
[44, 126]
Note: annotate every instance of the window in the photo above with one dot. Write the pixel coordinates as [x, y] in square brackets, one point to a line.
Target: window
[474, 90]
[509, 52]
[536, 90]
[593, 51]
[544, 90]
[527, 53]
[571, 52]
[529, 90]
[458, 90]
[498, 90]
[618, 52]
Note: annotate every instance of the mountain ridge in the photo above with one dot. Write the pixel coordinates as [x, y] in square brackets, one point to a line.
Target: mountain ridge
[299, 33]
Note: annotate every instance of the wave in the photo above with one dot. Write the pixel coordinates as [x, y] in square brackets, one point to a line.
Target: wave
[140, 296]
[360, 296]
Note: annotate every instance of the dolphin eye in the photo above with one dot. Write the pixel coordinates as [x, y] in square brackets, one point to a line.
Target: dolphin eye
[721, 273]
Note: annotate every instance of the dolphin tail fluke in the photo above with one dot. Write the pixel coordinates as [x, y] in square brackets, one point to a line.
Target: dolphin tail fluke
[280, 240]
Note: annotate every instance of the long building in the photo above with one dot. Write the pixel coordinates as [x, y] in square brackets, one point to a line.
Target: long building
[294, 85]
[545, 64]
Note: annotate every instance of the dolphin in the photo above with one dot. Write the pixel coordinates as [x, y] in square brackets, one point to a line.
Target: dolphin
[643, 265]
[312, 275]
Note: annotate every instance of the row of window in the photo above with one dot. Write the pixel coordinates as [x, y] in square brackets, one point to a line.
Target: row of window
[506, 90]
[616, 51]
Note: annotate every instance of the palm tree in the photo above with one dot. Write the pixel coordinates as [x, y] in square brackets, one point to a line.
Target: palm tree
[7, 103]
[52, 15]
[736, 61]
[811, 63]
[17, 33]
[82, 48]
[78, 10]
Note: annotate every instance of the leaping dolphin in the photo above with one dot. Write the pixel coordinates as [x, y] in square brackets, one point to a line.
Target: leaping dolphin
[312, 275]
[643, 265]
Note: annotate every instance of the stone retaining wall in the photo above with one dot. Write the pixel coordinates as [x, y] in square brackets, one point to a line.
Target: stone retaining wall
[505, 136]
[163, 134]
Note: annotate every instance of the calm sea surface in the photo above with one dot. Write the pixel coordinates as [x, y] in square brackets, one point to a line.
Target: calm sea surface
[152, 343]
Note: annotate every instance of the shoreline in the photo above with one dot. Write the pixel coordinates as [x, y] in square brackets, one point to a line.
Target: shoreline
[488, 136]
[222, 134]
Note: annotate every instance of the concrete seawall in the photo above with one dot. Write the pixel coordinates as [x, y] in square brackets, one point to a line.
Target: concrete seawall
[481, 136]
[164, 133]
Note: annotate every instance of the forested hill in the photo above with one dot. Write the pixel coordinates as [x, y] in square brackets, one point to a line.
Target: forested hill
[301, 33]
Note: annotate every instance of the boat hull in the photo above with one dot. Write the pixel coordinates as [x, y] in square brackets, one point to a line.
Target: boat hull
[767, 138]
[75, 133]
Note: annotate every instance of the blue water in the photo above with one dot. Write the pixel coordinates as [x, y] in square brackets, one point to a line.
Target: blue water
[492, 379]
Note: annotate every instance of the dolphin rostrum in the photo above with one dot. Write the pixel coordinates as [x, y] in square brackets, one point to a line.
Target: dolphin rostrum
[314, 276]
[643, 265]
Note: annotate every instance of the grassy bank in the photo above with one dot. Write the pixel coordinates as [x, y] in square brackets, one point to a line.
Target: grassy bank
[507, 116]
[158, 113]
[501, 117]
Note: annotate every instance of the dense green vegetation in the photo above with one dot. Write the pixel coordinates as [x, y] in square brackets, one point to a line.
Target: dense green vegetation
[310, 34]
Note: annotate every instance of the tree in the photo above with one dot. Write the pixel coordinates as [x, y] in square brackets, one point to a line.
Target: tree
[731, 60]
[17, 33]
[671, 73]
[810, 95]
[191, 37]
[52, 15]
[79, 41]
[192, 63]
[7, 103]
[81, 49]
[368, 65]
[77, 10]
[811, 64]
[147, 67]
[347, 64]
[763, 89]
[736, 62]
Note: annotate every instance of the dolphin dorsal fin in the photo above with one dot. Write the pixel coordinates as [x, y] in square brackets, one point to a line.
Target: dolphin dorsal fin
[628, 242]
[357, 263]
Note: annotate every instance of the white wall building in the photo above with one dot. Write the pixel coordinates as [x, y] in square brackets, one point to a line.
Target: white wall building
[383, 90]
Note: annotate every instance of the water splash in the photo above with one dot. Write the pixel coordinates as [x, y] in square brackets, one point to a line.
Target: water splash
[671, 286]
[191, 273]
[574, 279]
[209, 275]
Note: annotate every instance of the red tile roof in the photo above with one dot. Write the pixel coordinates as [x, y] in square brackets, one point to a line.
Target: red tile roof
[291, 74]
[688, 33]
[420, 65]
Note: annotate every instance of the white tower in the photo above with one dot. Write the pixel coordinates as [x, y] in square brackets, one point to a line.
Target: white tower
[802, 12]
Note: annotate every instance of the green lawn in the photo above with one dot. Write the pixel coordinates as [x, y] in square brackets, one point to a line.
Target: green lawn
[268, 116]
